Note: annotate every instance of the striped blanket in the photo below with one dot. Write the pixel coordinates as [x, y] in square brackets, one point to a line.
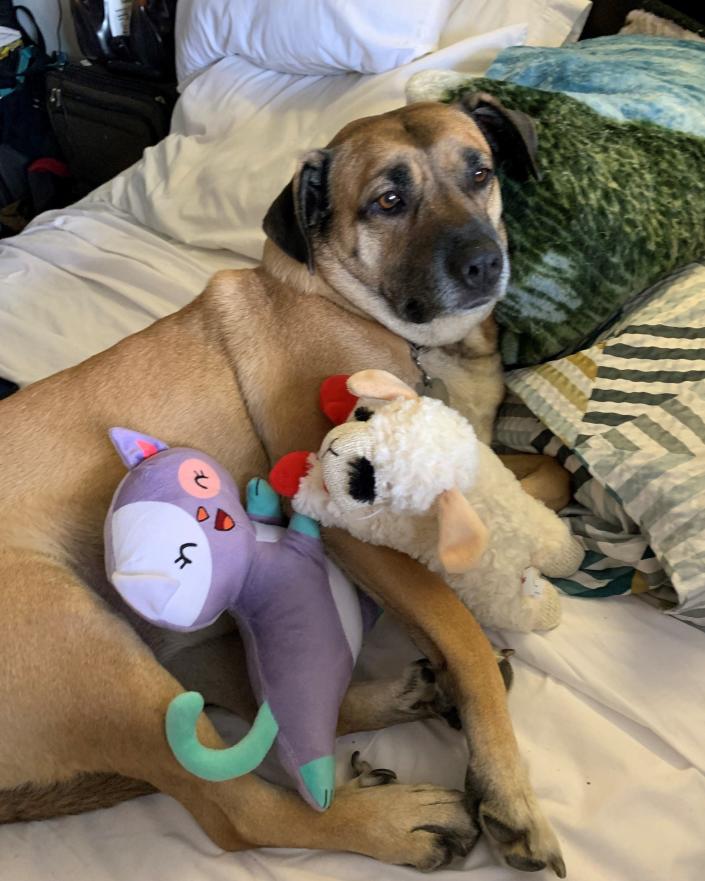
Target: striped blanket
[627, 418]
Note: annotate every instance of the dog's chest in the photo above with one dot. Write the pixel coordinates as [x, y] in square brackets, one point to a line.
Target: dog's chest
[474, 385]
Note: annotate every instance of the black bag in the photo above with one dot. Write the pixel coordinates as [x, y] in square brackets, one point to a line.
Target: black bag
[103, 121]
[7, 388]
[26, 136]
[135, 37]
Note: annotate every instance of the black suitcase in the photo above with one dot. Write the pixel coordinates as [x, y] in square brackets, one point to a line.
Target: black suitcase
[103, 121]
[142, 45]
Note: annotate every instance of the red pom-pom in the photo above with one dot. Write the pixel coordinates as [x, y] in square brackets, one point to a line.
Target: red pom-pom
[336, 401]
[288, 472]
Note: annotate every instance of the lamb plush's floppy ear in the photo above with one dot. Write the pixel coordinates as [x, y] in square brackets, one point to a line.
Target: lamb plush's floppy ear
[379, 384]
[462, 536]
[301, 208]
[134, 447]
[288, 472]
[335, 400]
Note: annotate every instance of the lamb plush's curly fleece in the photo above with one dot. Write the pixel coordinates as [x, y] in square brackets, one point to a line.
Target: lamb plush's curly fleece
[419, 449]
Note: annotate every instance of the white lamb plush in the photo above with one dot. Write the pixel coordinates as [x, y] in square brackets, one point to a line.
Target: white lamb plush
[408, 472]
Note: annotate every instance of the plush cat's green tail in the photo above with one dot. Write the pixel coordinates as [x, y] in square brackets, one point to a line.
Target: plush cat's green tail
[216, 764]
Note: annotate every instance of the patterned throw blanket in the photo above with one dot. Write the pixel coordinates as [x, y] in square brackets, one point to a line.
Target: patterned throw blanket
[627, 418]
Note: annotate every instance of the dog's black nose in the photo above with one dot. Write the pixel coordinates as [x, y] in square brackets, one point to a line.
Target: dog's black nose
[481, 265]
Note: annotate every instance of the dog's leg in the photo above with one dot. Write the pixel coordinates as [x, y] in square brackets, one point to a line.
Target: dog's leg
[217, 668]
[379, 703]
[498, 788]
[541, 476]
[93, 699]
[415, 694]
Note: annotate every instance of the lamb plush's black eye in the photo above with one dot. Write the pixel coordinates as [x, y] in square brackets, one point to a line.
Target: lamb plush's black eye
[361, 484]
[362, 414]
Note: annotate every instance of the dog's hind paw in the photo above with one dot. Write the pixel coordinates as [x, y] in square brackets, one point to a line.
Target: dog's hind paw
[423, 695]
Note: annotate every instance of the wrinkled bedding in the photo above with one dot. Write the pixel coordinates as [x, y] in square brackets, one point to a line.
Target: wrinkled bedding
[609, 711]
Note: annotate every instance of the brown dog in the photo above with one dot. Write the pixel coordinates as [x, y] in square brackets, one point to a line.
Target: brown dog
[391, 235]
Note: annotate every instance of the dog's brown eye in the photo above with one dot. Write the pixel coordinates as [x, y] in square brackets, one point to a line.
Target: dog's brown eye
[481, 175]
[389, 201]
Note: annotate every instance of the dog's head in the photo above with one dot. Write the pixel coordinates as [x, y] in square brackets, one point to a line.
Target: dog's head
[401, 214]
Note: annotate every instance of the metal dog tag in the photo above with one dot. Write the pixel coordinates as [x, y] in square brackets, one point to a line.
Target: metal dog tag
[433, 388]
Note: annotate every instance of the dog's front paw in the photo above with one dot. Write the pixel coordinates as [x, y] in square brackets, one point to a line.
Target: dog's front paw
[518, 830]
[423, 826]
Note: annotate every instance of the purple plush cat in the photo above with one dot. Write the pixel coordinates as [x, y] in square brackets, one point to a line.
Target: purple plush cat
[181, 550]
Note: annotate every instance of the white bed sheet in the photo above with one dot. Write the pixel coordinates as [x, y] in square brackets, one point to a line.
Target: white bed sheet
[113, 278]
[609, 711]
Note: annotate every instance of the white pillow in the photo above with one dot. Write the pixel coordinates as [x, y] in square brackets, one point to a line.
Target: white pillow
[246, 127]
[308, 36]
[550, 22]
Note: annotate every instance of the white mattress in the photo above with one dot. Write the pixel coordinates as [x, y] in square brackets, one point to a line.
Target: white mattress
[609, 708]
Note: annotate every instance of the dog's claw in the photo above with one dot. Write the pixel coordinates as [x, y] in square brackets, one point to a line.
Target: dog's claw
[366, 775]
[558, 867]
[527, 842]
[450, 845]
[525, 864]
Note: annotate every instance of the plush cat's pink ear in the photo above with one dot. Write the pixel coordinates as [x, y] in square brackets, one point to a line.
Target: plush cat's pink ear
[134, 447]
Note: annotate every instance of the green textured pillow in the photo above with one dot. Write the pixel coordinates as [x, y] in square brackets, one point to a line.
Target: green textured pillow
[618, 206]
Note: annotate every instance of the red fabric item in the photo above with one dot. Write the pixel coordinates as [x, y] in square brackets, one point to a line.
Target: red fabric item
[335, 400]
[288, 472]
[53, 166]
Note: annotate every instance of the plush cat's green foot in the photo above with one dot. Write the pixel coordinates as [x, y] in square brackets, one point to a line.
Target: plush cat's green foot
[305, 525]
[262, 501]
[319, 779]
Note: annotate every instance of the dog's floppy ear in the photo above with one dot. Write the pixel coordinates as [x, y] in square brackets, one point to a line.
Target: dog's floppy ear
[511, 134]
[462, 536]
[301, 208]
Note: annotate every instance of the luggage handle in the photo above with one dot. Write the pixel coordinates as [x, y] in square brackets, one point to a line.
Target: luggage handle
[39, 40]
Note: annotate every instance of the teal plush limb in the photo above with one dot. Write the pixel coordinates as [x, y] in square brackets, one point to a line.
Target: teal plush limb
[319, 779]
[262, 501]
[305, 525]
[216, 764]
